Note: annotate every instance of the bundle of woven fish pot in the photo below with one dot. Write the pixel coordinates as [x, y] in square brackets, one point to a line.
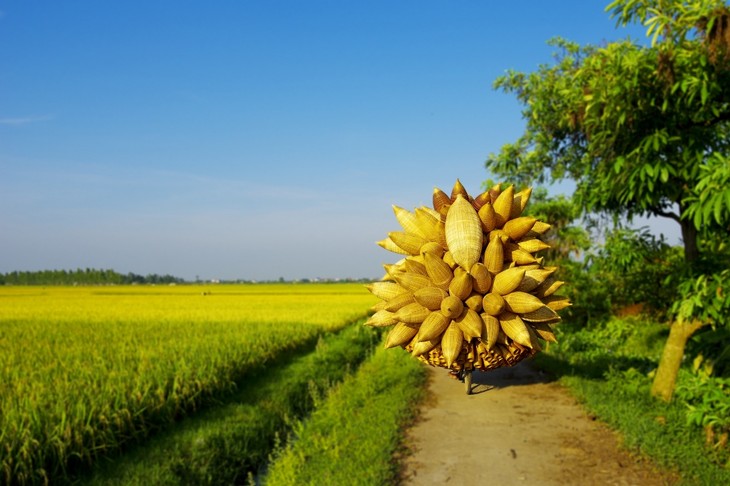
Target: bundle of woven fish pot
[470, 292]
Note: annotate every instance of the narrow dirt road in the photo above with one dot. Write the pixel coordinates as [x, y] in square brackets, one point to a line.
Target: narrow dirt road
[516, 428]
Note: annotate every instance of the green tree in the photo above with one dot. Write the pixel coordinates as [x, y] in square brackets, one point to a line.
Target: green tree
[642, 130]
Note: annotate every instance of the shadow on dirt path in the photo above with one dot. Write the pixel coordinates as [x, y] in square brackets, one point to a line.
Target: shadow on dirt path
[517, 427]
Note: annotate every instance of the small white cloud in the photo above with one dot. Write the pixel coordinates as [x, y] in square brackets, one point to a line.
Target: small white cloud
[25, 120]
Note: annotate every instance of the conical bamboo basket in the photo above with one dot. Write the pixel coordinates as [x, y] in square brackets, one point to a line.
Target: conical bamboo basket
[471, 292]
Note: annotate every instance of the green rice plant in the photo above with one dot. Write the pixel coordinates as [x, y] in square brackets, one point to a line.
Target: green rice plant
[86, 371]
[227, 443]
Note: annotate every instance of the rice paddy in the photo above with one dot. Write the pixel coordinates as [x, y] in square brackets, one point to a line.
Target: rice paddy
[86, 370]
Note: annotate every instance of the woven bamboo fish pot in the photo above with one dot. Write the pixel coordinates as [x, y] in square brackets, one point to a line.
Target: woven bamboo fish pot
[470, 291]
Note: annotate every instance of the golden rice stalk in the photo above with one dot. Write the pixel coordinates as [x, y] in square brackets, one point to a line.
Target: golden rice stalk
[441, 201]
[400, 335]
[461, 284]
[488, 217]
[451, 343]
[381, 318]
[430, 297]
[493, 304]
[544, 330]
[470, 323]
[452, 307]
[438, 271]
[507, 280]
[464, 236]
[385, 290]
[408, 242]
[494, 256]
[533, 245]
[481, 278]
[520, 202]
[411, 281]
[522, 302]
[433, 326]
[533, 278]
[389, 245]
[409, 222]
[557, 302]
[491, 330]
[399, 301]
[515, 328]
[518, 227]
[503, 206]
[543, 314]
[413, 313]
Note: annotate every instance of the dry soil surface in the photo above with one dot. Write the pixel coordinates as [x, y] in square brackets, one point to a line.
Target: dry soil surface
[517, 427]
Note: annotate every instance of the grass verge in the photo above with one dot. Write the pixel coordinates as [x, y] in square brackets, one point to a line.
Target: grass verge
[608, 369]
[353, 436]
[229, 443]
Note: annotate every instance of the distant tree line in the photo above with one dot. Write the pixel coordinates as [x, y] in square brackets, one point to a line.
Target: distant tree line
[87, 276]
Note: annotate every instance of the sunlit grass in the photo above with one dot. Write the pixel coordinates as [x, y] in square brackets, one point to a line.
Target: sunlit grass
[353, 436]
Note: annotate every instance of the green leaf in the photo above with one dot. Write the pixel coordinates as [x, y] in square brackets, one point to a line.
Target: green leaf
[707, 212]
[718, 210]
[697, 219]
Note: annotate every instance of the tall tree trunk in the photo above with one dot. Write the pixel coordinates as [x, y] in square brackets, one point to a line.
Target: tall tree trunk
[665, 378]
[689, 238]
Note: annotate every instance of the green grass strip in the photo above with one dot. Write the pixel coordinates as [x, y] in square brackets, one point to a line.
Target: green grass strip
[230, 443]
[656, 429]
[607, 368]
[353, 437]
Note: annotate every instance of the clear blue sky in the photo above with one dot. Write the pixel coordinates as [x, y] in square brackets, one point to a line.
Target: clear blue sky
[251, 139]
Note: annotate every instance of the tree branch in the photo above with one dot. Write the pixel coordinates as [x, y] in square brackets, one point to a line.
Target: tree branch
[722, 117]
[665, 214]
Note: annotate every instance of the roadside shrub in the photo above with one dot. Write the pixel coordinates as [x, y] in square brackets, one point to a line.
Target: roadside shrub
[707, 400]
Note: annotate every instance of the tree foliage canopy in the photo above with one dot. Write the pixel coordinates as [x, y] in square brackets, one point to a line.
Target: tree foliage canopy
[642, 129]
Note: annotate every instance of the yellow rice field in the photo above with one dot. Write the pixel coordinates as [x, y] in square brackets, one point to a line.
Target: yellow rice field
[84, 370]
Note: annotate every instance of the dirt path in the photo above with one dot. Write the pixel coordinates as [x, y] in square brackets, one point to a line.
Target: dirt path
[516, 428]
